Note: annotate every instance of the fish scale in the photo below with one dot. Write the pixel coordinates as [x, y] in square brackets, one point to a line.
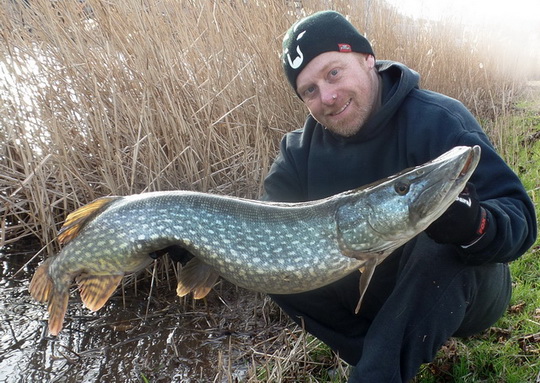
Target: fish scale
[273, 241]
[269, 247]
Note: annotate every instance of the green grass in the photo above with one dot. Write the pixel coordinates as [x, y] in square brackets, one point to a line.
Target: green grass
[510, 350]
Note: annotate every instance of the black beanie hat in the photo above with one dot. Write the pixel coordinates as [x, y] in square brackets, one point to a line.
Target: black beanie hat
[321, 32]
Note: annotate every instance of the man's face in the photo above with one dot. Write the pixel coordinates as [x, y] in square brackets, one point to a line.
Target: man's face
[340, 90]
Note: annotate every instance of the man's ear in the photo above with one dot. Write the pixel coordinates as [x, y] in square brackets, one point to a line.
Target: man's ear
[370, 61]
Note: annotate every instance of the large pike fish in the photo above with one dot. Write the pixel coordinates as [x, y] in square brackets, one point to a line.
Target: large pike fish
[269, 247]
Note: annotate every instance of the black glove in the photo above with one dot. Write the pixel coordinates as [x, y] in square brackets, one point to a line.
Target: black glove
[463, 222]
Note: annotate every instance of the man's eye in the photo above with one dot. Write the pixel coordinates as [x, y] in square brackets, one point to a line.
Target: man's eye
[309, 91]
[334, 72]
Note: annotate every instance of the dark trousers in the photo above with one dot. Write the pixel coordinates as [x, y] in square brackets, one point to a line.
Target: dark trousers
[419, 297]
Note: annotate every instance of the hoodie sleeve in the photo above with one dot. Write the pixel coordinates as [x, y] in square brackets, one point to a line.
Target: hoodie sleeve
[512, 225]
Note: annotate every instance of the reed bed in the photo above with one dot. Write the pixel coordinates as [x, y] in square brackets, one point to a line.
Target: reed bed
[109, 97]
[139, 97]
[103, 97]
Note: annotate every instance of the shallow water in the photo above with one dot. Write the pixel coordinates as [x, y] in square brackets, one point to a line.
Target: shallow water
[162, 338]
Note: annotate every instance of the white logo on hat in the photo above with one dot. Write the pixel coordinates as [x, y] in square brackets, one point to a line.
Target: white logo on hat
[295, 64]
[298, 60]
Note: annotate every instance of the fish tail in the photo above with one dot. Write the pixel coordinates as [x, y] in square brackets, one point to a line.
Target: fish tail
[41, 284]
[57, 310]
[43, 289]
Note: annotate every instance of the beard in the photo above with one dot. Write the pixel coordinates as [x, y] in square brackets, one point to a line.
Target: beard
[350, 126]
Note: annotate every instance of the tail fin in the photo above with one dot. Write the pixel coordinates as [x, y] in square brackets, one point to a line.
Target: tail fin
[42, 289]
[57, 310]
[41, 285]
[78, 219]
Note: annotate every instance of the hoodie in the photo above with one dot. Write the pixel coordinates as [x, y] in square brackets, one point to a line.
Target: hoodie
[412, 126]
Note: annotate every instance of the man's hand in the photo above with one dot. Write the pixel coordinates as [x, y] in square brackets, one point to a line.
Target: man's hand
[463, 223]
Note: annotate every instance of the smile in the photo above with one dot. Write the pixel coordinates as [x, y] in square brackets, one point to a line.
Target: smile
[342, 109]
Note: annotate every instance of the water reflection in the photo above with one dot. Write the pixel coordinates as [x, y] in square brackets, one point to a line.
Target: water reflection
[133, 338]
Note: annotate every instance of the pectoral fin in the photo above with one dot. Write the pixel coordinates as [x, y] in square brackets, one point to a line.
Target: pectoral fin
[367, 272]
[95, 290]
[198, 277]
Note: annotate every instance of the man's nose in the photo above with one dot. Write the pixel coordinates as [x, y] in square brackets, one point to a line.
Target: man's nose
[328, 95]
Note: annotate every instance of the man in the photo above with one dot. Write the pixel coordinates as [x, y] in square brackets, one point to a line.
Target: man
[368, 119]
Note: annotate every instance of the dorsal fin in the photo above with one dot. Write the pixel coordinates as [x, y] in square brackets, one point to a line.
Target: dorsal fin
[198, 277]
[76, 220]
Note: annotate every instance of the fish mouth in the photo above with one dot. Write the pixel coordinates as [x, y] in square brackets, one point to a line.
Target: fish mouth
[465, 163]
[445, 185]
[468, 163]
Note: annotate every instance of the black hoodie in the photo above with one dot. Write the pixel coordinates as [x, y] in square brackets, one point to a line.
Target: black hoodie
[411, 127]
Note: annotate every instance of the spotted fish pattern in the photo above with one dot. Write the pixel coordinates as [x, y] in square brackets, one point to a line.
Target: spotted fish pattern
[270, 247]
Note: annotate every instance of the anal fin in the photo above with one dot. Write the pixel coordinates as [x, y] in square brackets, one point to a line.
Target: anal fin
[198, 277]
[95, 290]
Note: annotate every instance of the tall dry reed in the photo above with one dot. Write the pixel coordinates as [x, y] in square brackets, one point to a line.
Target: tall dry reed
[141, 97]
[132, 96]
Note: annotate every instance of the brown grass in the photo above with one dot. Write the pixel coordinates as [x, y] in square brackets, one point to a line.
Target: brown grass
[154, 97]
[134, 96]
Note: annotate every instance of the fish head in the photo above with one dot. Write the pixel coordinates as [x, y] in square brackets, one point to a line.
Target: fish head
[382, 216]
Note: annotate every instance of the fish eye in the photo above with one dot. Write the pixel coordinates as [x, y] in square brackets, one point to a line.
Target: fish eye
[401, 188]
